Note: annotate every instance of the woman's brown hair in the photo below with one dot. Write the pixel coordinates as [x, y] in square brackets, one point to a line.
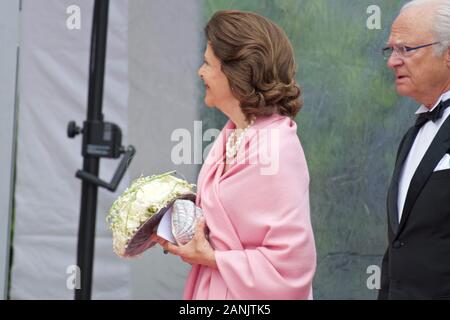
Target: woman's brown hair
[258, 60]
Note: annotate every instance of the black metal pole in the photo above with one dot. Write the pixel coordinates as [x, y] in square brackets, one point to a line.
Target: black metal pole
[86, 231]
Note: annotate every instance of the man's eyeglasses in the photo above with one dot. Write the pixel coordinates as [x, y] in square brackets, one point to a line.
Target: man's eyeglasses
[402, 51]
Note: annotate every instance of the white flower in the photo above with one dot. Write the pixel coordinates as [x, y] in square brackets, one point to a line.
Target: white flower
[143, 199]
[153, 192]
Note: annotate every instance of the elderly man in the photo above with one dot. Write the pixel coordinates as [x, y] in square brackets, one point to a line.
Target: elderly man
[417, 262]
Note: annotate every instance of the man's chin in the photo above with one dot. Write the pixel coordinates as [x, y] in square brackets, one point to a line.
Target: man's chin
[403, 90]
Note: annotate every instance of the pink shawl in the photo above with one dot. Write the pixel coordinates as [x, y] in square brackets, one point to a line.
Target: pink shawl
[258, 217]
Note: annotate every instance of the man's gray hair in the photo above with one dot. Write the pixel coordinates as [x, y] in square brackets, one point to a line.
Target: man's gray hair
[441, 25]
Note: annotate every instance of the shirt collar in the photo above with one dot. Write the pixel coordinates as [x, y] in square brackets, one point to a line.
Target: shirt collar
[443, 97]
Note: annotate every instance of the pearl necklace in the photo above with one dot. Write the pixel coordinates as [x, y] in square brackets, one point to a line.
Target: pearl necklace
[232, 149]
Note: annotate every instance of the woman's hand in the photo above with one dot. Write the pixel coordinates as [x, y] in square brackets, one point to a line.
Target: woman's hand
[196, 251]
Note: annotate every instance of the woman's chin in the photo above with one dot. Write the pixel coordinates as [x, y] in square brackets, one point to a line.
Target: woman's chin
[209, 104]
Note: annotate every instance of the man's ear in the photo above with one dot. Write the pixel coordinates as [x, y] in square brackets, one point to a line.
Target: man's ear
[447, 56]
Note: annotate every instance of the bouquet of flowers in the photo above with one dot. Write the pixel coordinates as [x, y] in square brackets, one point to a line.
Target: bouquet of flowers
[135, 215]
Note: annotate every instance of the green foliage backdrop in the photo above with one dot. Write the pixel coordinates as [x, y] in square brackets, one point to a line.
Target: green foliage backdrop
[350, 126]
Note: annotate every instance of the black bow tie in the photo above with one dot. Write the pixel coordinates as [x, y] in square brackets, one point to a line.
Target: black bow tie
[434, 115]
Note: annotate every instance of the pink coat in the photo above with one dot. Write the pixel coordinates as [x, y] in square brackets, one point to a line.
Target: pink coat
[258, 217]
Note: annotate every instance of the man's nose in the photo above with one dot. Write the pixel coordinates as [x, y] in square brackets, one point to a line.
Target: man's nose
[394, 61]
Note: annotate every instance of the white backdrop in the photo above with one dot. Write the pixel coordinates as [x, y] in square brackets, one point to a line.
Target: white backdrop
[9, 29]
[53, 82]
[165, 51]
[154, 50]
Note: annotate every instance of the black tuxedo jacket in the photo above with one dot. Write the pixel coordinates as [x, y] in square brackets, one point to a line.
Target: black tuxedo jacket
[417, 261]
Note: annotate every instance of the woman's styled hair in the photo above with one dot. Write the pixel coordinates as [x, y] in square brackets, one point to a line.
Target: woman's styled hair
[258, 60]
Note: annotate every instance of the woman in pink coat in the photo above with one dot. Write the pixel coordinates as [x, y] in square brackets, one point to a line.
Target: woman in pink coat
[256, 241]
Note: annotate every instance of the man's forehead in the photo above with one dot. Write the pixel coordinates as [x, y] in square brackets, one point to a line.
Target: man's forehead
[411, 27]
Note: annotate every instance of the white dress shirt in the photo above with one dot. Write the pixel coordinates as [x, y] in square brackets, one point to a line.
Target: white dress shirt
[419, 148]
